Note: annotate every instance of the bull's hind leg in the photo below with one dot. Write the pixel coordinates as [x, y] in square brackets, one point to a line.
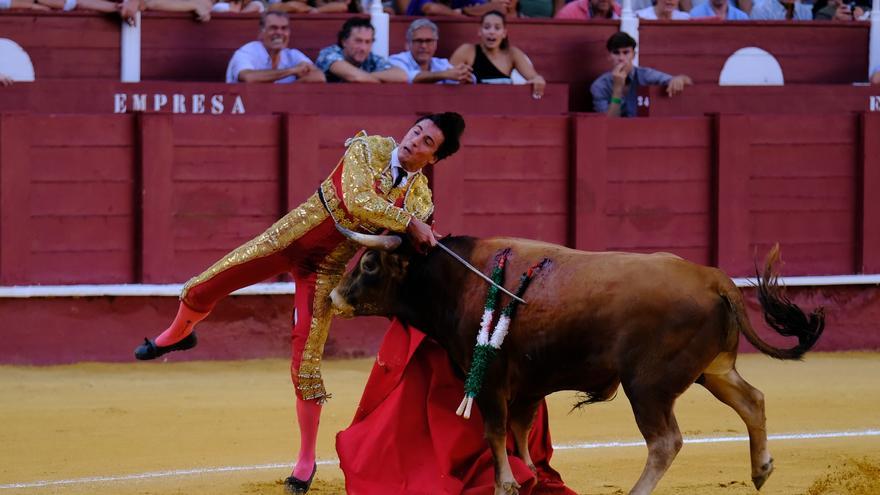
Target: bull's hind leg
[493, 407]
[748, 402]
[522, 415]
[656, 421]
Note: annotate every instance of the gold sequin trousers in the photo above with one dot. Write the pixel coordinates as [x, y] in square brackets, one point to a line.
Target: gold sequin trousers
[306, 244]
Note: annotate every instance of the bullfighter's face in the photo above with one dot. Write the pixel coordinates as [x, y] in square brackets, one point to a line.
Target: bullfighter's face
[419, 146]
[371, 288]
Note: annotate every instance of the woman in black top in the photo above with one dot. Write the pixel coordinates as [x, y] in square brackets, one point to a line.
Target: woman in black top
[493, 60]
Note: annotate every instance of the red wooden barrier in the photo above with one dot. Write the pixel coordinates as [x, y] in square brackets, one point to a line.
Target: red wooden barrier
[158, 197]
[700, 48]
[868, 207]
[790, 99]
[68, 45]
[154, 198]
[68, 204]
[720, 190]
[95, 96]
[66, 330]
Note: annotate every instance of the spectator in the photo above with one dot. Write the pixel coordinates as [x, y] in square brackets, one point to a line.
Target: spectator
[473, 8]
[21, 4]
[780, 10]
[239, 6]
[665, 10]
[537, 8]
[351, 58]
[269, 59]
[419, 62]
[127, 9]
[688, 5]
[5, 80]
[494, 61]
[840, 11]
[614, 93]
[720, 9]
[589, 9]
[638, 5]
[316, 6]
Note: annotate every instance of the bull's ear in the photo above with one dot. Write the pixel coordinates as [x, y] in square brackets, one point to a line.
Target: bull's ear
[400, 262]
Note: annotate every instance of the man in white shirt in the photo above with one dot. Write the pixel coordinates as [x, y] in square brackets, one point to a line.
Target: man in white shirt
[664, 10]
[268, 59]
[419, 62]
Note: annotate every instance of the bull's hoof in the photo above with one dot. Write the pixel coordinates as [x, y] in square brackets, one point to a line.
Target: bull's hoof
[766, 471]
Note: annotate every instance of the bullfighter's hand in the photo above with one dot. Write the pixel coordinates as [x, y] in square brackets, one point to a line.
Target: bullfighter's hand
[421, 234]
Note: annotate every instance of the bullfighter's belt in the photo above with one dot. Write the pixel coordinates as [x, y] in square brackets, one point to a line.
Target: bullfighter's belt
[333, 204]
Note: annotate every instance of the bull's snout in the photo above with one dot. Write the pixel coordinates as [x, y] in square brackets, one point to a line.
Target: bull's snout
[340, 305]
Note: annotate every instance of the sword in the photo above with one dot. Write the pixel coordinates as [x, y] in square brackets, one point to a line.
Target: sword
[478, 272]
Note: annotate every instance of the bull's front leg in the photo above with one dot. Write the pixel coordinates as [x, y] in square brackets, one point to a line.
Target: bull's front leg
[493, 407]
[522, 415]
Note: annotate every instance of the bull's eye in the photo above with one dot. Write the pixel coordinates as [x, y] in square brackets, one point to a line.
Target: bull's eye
[369, 266]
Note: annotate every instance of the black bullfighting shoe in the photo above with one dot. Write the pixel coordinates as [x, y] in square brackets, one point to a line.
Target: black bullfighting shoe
[149, 350]
[298, 486]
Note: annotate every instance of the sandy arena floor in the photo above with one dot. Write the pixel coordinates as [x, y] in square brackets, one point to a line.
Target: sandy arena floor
[138, 428]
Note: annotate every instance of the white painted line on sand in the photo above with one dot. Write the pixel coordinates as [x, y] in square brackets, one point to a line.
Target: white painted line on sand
[576, 446]
[274, 288]
[739, 438]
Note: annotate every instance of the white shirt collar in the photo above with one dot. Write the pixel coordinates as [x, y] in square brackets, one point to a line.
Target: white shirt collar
[397, 168]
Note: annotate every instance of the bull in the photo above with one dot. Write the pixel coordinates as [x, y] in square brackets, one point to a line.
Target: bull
[654, 323]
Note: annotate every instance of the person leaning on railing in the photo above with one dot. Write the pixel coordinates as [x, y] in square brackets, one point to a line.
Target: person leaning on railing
[419, 62]
[268, 59]
[615, 92]
[494, 60]
[316, 6]
[841, 10]
[351, 59]
[127, 9]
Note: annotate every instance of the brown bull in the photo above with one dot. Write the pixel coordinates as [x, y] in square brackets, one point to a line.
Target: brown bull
[653, 323]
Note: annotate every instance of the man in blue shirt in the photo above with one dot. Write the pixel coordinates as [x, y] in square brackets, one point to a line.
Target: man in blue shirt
[351, 59]
[614, 92]
[419, 62]
[724, 10]
[781, 10]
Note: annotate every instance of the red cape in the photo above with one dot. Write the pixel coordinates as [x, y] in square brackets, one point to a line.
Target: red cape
[406, 439]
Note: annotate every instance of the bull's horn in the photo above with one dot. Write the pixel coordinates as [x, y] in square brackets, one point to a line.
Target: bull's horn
[380, 242]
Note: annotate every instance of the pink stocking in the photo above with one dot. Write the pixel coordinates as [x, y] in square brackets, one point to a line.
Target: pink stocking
[182, 326]
[308, 414]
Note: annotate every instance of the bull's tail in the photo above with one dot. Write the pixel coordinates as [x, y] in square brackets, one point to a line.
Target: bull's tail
[782, 315]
